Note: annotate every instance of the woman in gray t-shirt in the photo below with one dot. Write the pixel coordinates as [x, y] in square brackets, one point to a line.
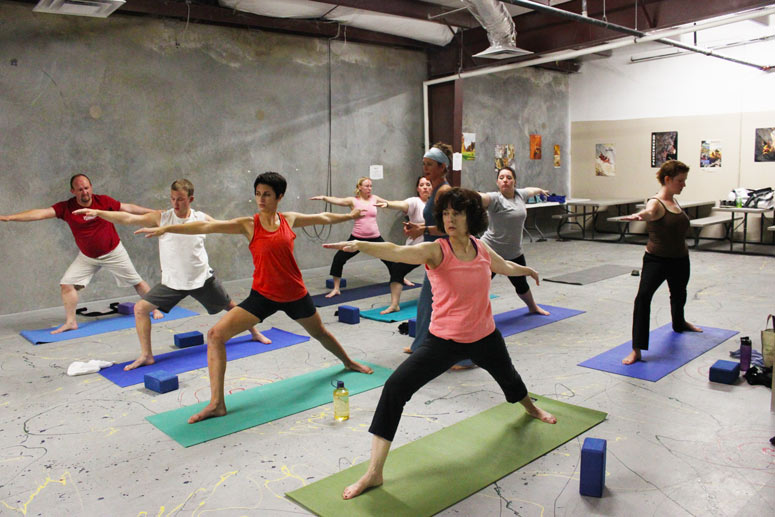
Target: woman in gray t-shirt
[507, 212]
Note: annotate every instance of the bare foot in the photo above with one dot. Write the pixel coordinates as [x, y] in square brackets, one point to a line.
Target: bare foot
[65, 327]
[407, 350]
[157, 314]
[334, 292]
[408, 283]
[392, 308]
[632, 357]
[258, 336]
[368, 480]
[540, 414]
[358, 367]
[689, 327]
[143, 360]
[539, 310]
[460, 367]
[209, 411]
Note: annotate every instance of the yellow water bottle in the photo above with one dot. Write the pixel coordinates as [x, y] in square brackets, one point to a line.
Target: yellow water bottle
[341, 402]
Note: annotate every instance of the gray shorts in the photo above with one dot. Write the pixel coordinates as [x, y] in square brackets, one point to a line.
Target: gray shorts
[212, 295]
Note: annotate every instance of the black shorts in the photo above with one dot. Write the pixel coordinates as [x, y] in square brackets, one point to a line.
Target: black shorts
[262, 307]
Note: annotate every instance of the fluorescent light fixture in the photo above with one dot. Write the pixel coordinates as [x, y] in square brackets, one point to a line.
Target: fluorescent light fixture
[94, 8]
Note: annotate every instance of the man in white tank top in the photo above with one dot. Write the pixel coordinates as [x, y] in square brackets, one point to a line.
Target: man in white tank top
[185, 269]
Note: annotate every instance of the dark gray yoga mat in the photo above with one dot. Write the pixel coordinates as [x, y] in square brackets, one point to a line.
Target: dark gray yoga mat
[592, 275]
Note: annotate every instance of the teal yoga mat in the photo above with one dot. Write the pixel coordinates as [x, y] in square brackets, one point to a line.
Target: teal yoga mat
[265, 403]
[408, 310]
[426, 476]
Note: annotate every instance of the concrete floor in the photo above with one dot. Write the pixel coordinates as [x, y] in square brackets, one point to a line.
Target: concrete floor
[680, 446]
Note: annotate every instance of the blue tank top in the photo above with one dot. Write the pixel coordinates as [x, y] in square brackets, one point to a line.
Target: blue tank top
[427, 213]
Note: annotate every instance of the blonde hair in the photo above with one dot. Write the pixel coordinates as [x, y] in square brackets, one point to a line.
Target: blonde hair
[183, 185]
[358, 185]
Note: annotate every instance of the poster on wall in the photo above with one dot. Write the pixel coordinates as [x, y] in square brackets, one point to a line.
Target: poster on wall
[504, 156]
[710, 154]
[605, 160]
[764, 150]
[468, 146]
[556, 156]
[664, 147]
[535, 147]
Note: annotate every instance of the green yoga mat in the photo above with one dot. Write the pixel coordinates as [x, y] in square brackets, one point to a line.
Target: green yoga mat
[433, 473]
[265, 403]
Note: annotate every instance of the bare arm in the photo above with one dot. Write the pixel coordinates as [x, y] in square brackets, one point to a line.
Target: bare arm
[504, 267]
[297, 219]
[36, 214]
[338, 201]
[425, 253]
[135, 209]
[653, 210]
[535, 191]
[393, 205]
[149, 219]
[240, 225]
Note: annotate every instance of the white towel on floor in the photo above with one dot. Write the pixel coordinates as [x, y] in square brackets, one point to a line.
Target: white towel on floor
[81, 368]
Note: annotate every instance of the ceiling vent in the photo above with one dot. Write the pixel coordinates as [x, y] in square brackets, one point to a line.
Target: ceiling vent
[94, 8]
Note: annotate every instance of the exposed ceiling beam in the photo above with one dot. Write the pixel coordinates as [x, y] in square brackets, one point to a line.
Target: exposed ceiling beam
[410, 9]
[542, 33]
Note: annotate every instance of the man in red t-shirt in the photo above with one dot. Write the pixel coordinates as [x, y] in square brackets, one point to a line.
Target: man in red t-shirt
[97, 241]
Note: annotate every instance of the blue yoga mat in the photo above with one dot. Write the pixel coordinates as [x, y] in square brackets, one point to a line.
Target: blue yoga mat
[667, 351]
[356, 293]
[520, 320]
[101, 326]
[195, 357]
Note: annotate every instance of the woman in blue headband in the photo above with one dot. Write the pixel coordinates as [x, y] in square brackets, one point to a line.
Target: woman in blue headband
[436, 163]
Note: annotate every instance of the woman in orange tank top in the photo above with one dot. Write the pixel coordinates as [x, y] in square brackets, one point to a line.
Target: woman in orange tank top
[462, 327]
[277, 281]
[666, 257]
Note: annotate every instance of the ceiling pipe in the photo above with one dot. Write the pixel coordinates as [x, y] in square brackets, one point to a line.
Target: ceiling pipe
[626, 30]
[499, 25]
[571, 54]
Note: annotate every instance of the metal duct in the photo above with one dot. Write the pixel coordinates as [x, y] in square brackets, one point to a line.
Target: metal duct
[501, 33]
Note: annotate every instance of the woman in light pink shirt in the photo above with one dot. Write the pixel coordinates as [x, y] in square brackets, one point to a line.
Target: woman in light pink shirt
[462, 327]
[364, 229]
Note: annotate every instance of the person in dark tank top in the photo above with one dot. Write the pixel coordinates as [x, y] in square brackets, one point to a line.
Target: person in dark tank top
[666, 257]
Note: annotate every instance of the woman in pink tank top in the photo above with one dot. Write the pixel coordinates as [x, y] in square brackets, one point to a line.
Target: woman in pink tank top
[462, 327]
[364, 229]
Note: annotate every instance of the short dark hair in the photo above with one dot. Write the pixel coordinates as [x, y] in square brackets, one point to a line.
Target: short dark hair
[671, 169]
[462, 200]
[417, 185]
[507, 168]
[72, 179]
[274, 180]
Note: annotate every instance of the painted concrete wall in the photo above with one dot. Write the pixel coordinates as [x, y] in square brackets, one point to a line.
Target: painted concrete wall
[506, 108]
[136, 103]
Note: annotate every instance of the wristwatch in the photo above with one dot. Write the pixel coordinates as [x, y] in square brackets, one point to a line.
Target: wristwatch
[426, 232]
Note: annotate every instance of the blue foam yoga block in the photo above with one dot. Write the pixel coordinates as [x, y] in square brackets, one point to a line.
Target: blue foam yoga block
[161, 381]
[126, 308]
[349, 314]
[412, 327]
[187, 339]
[330, 283]
[726, 372]
[592, 477]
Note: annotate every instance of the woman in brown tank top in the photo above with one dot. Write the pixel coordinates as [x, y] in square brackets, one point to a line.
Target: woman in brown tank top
[666, 257]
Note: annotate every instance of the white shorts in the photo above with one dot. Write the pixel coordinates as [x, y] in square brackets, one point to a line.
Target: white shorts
[117, 262]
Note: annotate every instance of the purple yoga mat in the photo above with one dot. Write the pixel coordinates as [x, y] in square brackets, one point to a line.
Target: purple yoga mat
[520, 320]
[195, 357]
[667, 352]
